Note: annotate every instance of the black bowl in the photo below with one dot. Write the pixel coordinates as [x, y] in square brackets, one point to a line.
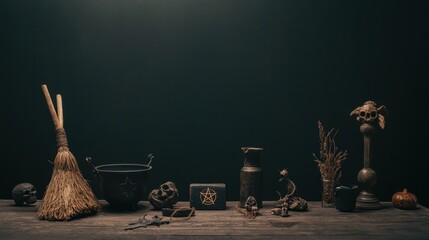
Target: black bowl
[345, 197]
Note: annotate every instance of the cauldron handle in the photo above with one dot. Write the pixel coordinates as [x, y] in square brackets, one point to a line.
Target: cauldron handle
[94, 170]
[151, 157]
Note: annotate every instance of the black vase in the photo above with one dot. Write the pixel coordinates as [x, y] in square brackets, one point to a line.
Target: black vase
[251, 176]
[345, 197]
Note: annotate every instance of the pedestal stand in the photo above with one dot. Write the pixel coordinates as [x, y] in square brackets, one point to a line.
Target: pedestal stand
[368, 114]
[367, 177]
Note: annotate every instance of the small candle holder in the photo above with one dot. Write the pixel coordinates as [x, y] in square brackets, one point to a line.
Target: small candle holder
[369, 114]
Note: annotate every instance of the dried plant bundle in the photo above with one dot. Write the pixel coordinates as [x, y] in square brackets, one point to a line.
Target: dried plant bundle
[330, 159]
[68, 194]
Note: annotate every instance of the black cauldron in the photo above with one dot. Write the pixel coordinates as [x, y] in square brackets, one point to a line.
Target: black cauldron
[122, 185]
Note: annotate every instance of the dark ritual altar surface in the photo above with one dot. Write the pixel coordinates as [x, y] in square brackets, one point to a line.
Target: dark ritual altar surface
[317, 223]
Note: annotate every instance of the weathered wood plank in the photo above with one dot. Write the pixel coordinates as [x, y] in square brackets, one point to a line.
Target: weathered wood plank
[317, 223]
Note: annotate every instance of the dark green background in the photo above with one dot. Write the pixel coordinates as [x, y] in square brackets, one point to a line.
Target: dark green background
[193, 81]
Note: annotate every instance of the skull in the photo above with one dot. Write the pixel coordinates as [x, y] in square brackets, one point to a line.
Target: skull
[284, 212]
[165, 197]
[281, 210]
[24, 193]
[369, 113]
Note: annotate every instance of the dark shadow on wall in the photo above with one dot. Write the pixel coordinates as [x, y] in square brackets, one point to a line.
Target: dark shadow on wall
[194, 81]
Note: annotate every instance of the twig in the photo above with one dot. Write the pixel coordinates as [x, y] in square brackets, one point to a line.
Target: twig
[330, 158]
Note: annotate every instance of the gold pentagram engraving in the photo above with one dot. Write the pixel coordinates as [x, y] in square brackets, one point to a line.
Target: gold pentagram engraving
[208, 197]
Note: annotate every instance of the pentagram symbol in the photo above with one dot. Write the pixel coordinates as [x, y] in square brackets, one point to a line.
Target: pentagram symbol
[128, 188]
[208, 197]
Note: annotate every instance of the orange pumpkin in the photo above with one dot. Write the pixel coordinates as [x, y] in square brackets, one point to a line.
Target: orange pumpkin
[404, 200]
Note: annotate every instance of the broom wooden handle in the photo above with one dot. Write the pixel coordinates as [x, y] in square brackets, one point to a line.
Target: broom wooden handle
[60, 110]
[50, 106]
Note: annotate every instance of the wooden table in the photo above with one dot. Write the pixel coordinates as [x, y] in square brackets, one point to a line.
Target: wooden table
[317, 223]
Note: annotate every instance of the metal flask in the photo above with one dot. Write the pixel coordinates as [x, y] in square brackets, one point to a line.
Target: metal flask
[251, 176]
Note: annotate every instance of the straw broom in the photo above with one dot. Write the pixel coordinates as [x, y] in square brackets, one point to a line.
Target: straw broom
[68, 194]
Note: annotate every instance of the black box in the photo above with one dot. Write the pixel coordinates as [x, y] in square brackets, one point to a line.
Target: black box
[207, 196]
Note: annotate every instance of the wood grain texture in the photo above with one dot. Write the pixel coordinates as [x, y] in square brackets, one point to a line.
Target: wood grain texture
[317, 223]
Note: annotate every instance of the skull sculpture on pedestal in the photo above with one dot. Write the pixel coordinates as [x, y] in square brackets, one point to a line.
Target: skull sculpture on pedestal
[369, 113]
[24, 193]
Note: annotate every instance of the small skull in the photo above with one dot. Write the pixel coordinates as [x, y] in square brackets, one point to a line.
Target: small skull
[298, 204]
[281, 210]
[369, 113]
[284, 212]
[165, 197]
[24, 193]
[276, 211]
[254, 210]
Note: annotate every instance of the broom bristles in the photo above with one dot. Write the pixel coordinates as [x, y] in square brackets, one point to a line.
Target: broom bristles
[68, 194]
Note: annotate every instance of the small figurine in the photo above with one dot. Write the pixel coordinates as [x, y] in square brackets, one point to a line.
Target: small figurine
[165, 197]
[288, 202]
[251, 206]
[24, 193]
[251, 209]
